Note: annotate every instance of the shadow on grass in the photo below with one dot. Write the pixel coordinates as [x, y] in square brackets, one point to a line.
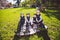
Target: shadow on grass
[18, 37]
[44, 34]
[57, 16]
[0, 37]
[54, 14]
[58, 36]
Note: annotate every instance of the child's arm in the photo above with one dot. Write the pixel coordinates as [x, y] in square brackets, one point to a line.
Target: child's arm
[25, 22]
[31, 21]
[40, 19]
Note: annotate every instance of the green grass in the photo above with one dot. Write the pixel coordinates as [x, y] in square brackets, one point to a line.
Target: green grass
[9, 19]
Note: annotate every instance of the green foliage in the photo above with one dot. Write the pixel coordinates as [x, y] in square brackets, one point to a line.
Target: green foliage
[26, 3]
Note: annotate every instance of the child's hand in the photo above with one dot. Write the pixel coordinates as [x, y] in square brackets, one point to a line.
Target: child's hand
[32, 25]
[24, 24]
[37, 21]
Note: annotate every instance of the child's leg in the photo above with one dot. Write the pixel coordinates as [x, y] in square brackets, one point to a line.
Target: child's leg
[42, 25]
[35, 27]
[27, 28]
[19, 28]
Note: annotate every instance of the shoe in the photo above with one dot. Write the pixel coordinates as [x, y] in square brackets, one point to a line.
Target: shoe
[46, 27]
[21, 33]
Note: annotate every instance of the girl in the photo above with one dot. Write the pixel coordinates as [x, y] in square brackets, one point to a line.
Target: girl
[39, 20]
[22, 21]
[34, 23]
[28, 22]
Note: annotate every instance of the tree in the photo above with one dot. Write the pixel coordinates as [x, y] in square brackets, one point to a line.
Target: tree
[3, 3]
[18, 2]
[53, 3]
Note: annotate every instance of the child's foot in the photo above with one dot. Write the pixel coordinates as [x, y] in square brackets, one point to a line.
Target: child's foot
[32, 31]
[21, 33]
[46, 27]
[27, 33]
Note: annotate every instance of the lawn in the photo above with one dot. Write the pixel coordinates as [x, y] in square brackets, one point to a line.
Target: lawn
[9, 19]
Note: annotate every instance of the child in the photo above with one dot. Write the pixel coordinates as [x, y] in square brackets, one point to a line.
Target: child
[29, 29]
[22, 21]
[39, 20]
[34, 23]
[28, 23]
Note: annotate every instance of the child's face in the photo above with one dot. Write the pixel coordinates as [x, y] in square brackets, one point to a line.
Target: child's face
[34, 15]
[28, 15]
[38, 13]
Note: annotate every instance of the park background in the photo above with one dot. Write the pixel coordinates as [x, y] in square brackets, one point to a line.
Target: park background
[10, 17]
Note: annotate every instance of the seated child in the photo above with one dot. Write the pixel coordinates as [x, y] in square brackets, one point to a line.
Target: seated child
[34, 23]
[39, 20]
[22, 21]
[28, 22]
